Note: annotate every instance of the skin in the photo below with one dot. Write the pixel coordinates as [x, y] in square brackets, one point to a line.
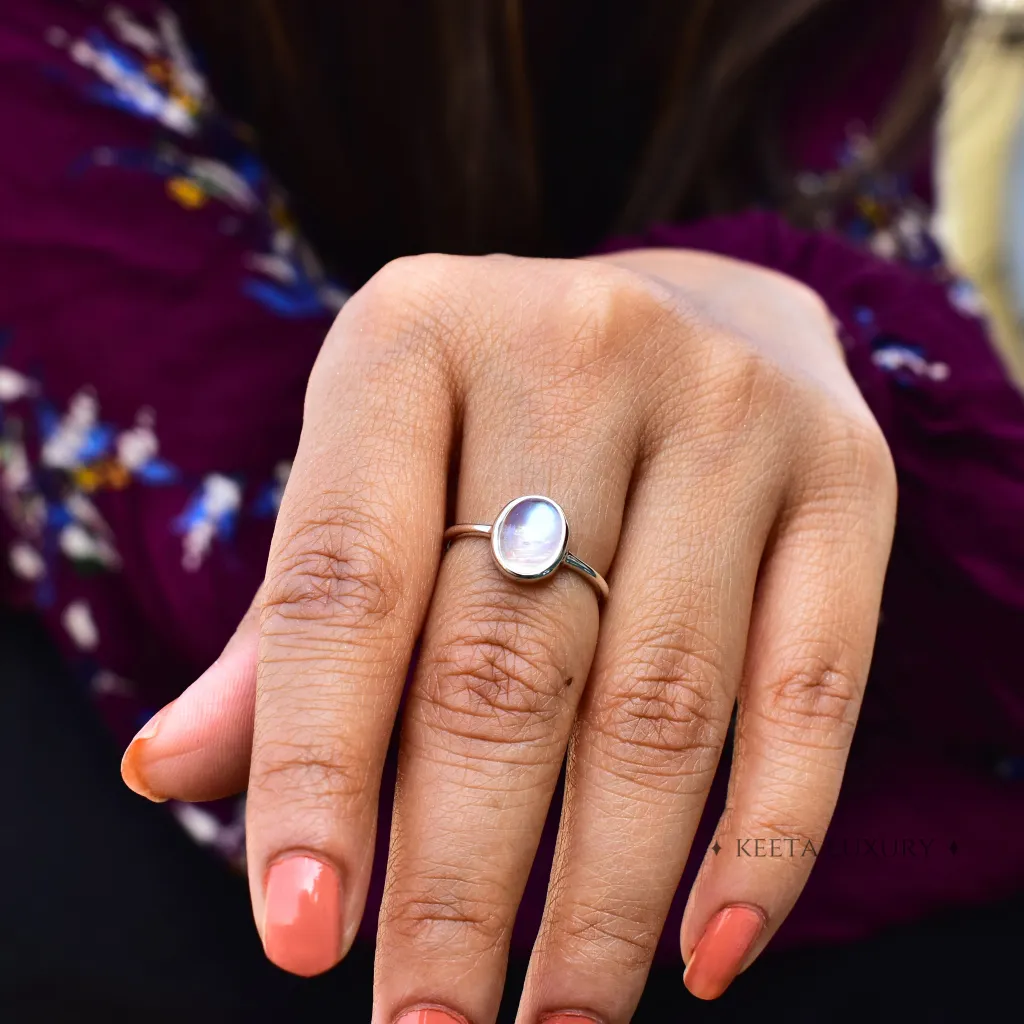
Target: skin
[695, 418]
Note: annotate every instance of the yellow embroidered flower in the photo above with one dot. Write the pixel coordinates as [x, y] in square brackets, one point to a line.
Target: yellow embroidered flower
[187, 192]
[108, 474]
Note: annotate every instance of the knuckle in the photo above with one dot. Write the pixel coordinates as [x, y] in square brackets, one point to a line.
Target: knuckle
[592, 934]
[742, 388]
[441, 914]
[852, 446]
[416, 280]
[600, 313]
[337, 569]
[665, 715]
[817, 691]
[869, 453]
[320, 776]
[409, 306]
[498, 677]
[731, 399]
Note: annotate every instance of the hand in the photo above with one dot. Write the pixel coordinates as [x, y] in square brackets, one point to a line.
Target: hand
[695, 418]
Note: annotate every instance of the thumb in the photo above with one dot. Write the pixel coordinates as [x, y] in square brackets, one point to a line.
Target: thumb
[198, 746]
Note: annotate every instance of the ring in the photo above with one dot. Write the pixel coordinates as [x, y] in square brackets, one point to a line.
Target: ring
[530, 541]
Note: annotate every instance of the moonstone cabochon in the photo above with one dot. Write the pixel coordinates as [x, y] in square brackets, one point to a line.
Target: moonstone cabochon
[530, 537]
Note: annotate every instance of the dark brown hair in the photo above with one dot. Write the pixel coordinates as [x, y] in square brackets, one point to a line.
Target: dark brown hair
[540, 126]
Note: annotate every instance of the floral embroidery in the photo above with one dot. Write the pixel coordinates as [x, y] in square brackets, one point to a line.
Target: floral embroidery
[49, 500]
[213, 509]
[886, 217]
[211, 513]
[904, 360]
[77, 620]
[144, 67]
[149, 72]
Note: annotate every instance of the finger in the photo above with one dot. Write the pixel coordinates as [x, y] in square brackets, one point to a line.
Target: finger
[809, 651]
[198, 746]
[498, 679]
[651, 727]
[349, 576]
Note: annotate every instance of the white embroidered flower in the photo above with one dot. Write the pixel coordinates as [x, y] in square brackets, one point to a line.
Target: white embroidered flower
[132, 32]
[14, 385]
[218, 179]
[26, 563]
[79, 545]
[137, 445]
[62, 448]
[110, 683]
[77, 620]
[202, 826]
[884, 245]
[894, 357]
[213, 508]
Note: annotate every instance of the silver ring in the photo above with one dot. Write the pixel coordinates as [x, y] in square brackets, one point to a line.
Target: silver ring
[530, 541]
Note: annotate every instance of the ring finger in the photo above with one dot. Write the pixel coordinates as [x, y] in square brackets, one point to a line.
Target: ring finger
[489, 714]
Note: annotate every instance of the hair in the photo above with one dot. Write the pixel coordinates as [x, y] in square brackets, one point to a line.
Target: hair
[468, 126]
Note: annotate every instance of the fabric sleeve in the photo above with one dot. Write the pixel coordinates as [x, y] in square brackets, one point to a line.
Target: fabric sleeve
[159, 315]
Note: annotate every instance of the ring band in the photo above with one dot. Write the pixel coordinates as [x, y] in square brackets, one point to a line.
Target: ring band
[530, 541]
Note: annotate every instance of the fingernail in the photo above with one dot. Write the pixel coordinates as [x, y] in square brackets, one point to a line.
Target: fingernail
[302, 915]
[429, 1015]
[131, 770]
[721, 951]
[568, 1018]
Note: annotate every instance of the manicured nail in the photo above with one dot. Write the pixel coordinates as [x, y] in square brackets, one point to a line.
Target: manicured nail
[722, 949]
[131, 769]
[302, 915]
[429, 1015]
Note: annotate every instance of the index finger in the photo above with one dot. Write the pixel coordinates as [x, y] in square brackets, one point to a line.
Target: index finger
[349, 578]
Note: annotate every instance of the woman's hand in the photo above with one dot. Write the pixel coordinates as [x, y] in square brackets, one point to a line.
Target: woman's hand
[695, 418]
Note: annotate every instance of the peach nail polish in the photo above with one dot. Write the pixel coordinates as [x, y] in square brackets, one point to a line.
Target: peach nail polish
[131, 772]
[429, 1015]
[722, 949]
[302, 915]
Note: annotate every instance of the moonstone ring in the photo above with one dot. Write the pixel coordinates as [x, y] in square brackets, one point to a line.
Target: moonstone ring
[530, 541]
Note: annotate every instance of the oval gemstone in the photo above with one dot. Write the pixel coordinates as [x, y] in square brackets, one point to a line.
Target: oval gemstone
[530, 538]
